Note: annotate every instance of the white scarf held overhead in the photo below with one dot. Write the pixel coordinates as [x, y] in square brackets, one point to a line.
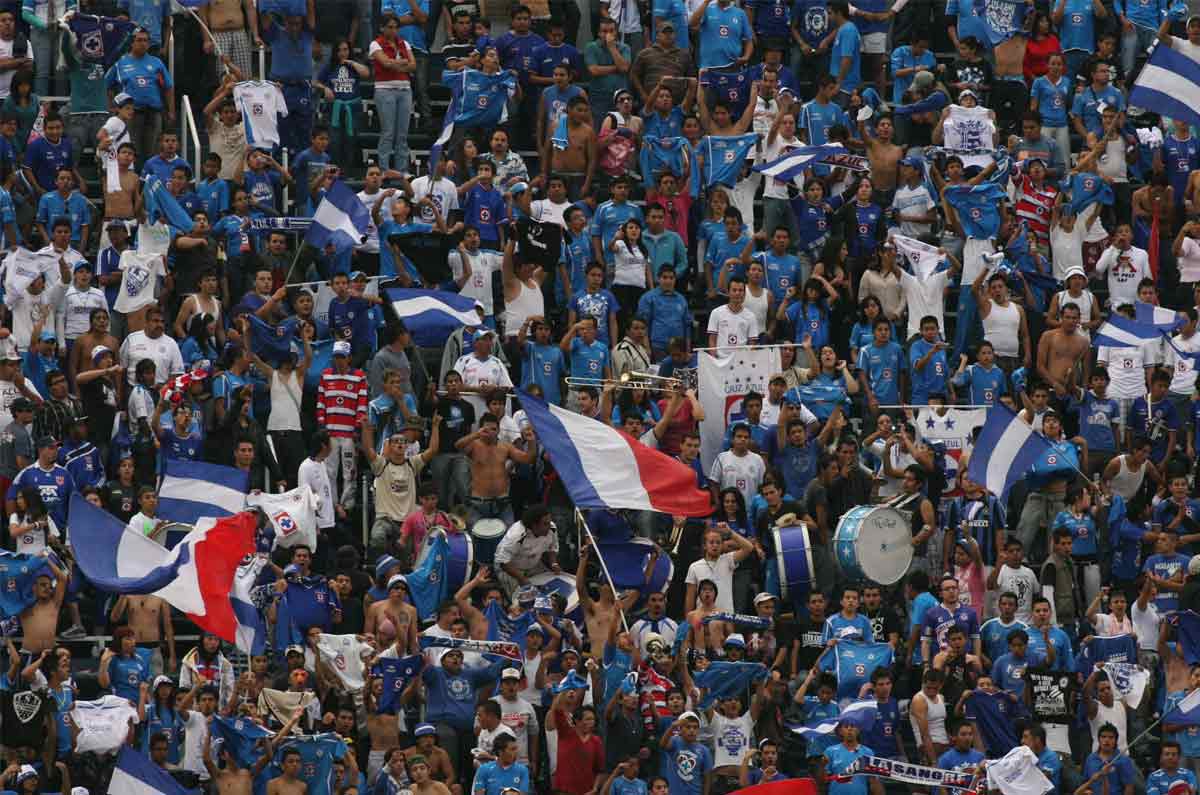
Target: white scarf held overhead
[1017, 773]
[922, 258]
[344, 654]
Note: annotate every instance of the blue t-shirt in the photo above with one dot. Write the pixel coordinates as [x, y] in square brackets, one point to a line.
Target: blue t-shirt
[1189, 738]
[933, 377]
[904, 58]
[548, 56]
[1053, 98]
[1160, 781]
[598, 305]
[260, 188]
[148, 14]
[350, 320]
[1064, 656]
[485, 209]
[994, 636]
[840, 759]
[884, 734]
[74, 208]
[1156, 424]
[291, 58]
[985, 384]
[169, 723]
[1008, 672]
[609, 217]
[1087, 106]
[1121, 775]
[685, 766]
[544, 366]
[494, 779]
[342, 81]
[126, 675]
[722, 31]
[816, 119]
[588, 361]
[883, 365]
[782, 272]
[55, 486]
[810, 17]
[1076, 32]
[847, 43]
[954, 759]
[939, 620]
[1083, 533]
[924, 602]
[1096, 419]
[316, 760]
[1166, 567]
[146, 79]
[838, 626]
[44, 158]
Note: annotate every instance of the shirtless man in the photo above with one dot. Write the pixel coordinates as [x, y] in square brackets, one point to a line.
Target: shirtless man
[475, 618]
[1060, 350]
[39, 621]
[289, 782]
[227, 20]
[150, 620]
[602, 613]
[440, 768]
[422, 778]
[710, 634]
[719, 121]
[231, 778]
[81, 358]
[884, 157]
[393, 620]
[489, 474]
[578, 160]
[383, 728]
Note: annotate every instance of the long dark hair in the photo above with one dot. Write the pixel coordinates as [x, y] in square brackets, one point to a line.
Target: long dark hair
[741, 506]
[22, 76]
[35, 507]
[198, 330]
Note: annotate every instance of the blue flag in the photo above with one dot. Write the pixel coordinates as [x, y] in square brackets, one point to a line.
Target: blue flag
[1015, 448]
[433, 315]
[341, 219]
[428, 585]
[1167, 84]
[1160, 316]
[723, 679]
[397, 672]
[1121, 332]
[135, 774]
[1187, 634]
[100, 39]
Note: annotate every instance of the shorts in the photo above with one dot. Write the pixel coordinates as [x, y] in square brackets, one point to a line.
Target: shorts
[874, 43]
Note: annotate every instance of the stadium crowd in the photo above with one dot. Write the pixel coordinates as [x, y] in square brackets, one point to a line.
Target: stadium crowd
[913, 215]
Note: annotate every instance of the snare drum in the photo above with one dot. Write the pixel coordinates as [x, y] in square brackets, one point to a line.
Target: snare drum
[486, 534]
[793, 557]
[874, 542]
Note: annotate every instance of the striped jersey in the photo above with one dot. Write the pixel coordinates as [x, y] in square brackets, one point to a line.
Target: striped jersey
[1034, 205]
[341, 401]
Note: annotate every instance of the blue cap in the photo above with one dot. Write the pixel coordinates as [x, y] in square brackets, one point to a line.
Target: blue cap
[424, 729]
[382, 565]
[47, 336]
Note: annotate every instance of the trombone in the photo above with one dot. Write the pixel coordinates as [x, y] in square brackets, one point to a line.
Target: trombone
[629, 380]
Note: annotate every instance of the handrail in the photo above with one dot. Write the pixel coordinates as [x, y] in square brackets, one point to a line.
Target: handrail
[187, 129]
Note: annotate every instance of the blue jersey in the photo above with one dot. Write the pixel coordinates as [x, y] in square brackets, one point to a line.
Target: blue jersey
[980, 519]
[516, 52]
[994, 714]
[846, 44]
[74, 208]
[1161, 782]
[82, 460]
[543, 365]
[930, 379]
[667, 314]
[722, 31]
[723, 157]
[661, 156]
[816, 119]
[809, 320]
[1077, 31]
[1122, 775]
[146, 79]
[493, 779]
[1096, 419]
[853, 664]
[810, 17]
[721, 248]
[994, 636]
[631, 786]
[813, 223]
[864, 240]
[1106, 648]
[1180, 159]
[1053, 98]
[772, 18]
[150, 15]
[985, 384]
[1155, 424]
[731, 88]
[939, 620]
[316, 760]
[1087, 105]
[548, 56]
[1008, 672]
[1189, 738]
[656, 125]
[588, 361]
[599, 305]
[782, 272]
[883, 366]
[260, 188]
[1166, 567]
[1083, 533]
[841, 759]
[162, 168]
[903, 57]
[840, 627]
[55, 486]
[170, 724]
[611, 216]
[798, 464]
[1147, 14]
[884, 734]
[126, 675]
[479, 99]
[954, 759]
[685, 766]
[44, 158]
[1060, 460]
[921, 605]
[311, 602]
[485, 209]
[1064, 656]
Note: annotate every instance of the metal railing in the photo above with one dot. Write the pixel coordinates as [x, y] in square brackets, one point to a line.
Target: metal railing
[188, 133]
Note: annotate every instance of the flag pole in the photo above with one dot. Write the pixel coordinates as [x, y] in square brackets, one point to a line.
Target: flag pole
[603, 566]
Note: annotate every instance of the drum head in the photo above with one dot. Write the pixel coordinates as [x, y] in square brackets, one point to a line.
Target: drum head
[171, 533]
[884, 546]
[489, 528]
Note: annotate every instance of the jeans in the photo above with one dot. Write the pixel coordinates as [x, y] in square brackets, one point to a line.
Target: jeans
[488, 508]
[452, 474]
[344, 458]
[394, 106]
[1062, 140]
[82, 128]
[1133, 44]
[144, 128]
[41, 41]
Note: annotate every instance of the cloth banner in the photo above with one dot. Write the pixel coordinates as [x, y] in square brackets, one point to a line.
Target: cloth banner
[953, 430]
[723, 383]
[502, 648]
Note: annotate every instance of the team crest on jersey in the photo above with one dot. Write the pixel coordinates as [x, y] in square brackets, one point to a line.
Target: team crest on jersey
[60, 480]
[459, 688]
[340, 661]
[257, 109]
[26, 705]
[320, 597]
[91, 44]
[12, 585]
[284, 521]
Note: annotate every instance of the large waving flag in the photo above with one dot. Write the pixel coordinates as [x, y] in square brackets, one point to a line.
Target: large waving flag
[135, 774]
[191, 490]
[1169, 84]
[859, 713]
[1121, 332]
[1006, 449]
[1186, 712]
[340, 219]
[798, 160]
[251, 634]
[602, 467]
[1159, 316]
[431, 316]
[196, 577]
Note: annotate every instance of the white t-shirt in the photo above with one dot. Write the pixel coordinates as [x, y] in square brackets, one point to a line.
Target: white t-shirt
[33, 542]
[721, 573]
[442, 193]
[911, 201]
[139, 280]
[732, 737]
[486, 372]
[890, 486]
[519, 718]
[261, 103]
[733, 329]
[744, 473]
[1145, 625]
[8, 394]
[163, 351]
[776, 188]
[371, 244]
[1183, 368]
[1189, 260]
[545, 211]
[195, 733]
[484, 263]
[118, 133]
[629, 267]
[103, 723]
[924, 297]
[313, 474]
[1024, 583]
[523, 549]
[1127, 369]
[6, 50]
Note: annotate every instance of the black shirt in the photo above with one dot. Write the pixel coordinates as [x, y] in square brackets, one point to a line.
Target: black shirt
[808, 632]
[23, 715]
[121, 501]
[457, 418]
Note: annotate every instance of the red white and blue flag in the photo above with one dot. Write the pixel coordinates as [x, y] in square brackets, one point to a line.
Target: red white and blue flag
[602, 467]
[195, 577]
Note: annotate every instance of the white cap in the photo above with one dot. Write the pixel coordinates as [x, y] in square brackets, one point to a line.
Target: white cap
[341, 348]
[79, 791]
[510, 673]
[689, 715]
[1074, 271]
[763, 597]
[735, 639]
[1194, 565]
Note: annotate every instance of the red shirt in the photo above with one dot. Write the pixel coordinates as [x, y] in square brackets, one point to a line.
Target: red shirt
[1037, 53]
[579, 762]
[680, 424]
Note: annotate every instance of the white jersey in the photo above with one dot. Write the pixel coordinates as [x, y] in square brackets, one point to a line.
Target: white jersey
[75, 311]
[720, 572]
[442, 193]
[163, 351]
[1125, 269]
[312, 473]
[732, 737]
[519, 717]
[1127, 369]
[668, 628]
[484, 263]
[913, 201]
[195, 736]
[8, 394]
[345, 653]
[139, 280]
[103, 723]
[743, 473]
[733, 329]
[969, 129]
[478, 372]
[1183, 368]
[293, 514]
[371, 244]
[924, 297]
[261, 103]
[118, 133]
[34, 541]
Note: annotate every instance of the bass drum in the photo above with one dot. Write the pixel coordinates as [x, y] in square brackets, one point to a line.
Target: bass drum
[794, 557]
[874, 542]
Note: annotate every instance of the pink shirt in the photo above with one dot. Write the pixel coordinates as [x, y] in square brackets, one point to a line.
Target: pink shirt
[970, 587]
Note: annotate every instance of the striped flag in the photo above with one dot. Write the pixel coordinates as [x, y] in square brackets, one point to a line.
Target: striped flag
[340, 219]
[860, 713]
[1162, 317]
[135, 774]
[1006, 449]
[798, 160]
[193, 489]
[433, 315]
[1169, 84]
[1121, 332]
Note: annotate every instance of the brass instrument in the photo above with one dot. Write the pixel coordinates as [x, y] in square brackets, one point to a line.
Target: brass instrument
[630, 380]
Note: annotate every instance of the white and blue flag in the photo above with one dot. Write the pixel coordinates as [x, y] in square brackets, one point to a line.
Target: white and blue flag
[135, 774]
[1006, 449]
[1129, 680]
[340, 219]
[859, 713]
[1121, 332]
[1169, 84]
[191, 490]
[800, 159]
[431, 316]
[1186, 712]
[1160, 316]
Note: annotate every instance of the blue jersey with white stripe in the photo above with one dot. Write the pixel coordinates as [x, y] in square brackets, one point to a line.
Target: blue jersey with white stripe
[54, 485]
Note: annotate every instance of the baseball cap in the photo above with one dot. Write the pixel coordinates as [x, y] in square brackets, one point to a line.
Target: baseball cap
[46, 441]
[384, 563]
[11, 352]
[26, 772]
[99, 351]
[121, 99]
[510, 673]
[341, 348]
[47, 336]
[736, 639]
[83, 264]
[397, 579]
[162, 680]
[22, 404]
[1194, 566]
[763, 597]
[294, 648]
[79, 791]
[423, 729]
[356, 275]
[689, 715]
[967, 91]
[910, 161]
